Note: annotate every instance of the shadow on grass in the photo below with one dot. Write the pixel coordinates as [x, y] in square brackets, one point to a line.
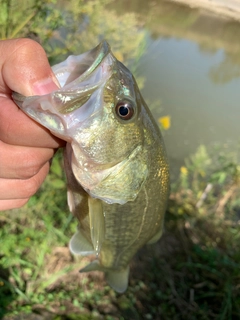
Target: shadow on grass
[180, 277]
[184, 277]
[7, 294]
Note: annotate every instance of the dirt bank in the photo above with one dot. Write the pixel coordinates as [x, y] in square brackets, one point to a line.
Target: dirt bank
[225, 8]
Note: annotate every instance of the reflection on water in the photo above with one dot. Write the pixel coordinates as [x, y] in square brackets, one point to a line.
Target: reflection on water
[202, 112]
[192, 63]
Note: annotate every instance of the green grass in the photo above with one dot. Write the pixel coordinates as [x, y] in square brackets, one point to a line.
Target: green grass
[193, 272]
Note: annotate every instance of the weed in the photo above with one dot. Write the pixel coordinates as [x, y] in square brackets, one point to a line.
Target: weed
[191, 273]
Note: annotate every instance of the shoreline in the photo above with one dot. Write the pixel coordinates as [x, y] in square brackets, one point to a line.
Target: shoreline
[229, 9]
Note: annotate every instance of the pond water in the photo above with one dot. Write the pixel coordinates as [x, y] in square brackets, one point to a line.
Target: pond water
[192, 64]
[189, 60]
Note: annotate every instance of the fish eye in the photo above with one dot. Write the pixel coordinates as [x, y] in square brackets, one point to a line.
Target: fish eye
[124, 109]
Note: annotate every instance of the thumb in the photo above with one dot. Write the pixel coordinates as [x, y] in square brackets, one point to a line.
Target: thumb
[24, 68]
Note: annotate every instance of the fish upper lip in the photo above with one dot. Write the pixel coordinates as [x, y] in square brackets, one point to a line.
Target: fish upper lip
[99, 53]
[104, 49]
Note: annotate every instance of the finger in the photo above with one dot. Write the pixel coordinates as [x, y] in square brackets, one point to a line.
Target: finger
[12, 204]
[22, 189]
[24, 68]
[22, 162]
[17, 128]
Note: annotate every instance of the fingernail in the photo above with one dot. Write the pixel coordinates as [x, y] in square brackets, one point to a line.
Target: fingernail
[44, 86]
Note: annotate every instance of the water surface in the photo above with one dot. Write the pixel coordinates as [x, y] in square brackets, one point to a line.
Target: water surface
[192, 64]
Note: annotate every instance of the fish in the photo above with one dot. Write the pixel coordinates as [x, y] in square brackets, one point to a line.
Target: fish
[115, 159]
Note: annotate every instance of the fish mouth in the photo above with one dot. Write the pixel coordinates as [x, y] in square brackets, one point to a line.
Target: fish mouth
[82, 79]
[67, 72]
[70, 75]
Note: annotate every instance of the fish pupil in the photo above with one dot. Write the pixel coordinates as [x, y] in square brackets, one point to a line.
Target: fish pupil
[125, 110]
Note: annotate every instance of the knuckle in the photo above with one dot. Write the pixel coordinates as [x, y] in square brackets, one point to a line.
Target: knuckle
[19, 203]
[31, 165]
[5, 128]
[30, 187]
[12, 204]
[28, 171]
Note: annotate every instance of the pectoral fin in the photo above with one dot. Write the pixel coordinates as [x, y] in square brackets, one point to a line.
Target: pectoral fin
[97, 225]
[79, 245]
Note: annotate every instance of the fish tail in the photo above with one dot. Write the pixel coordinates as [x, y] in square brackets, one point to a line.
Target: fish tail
[117, 279]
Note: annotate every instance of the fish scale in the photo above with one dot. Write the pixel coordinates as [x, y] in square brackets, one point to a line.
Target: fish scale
[115, 160]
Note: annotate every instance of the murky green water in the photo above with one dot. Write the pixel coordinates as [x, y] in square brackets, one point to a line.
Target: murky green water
[192, 64]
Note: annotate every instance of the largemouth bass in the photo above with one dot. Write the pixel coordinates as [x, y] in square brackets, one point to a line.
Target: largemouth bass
[115, 160]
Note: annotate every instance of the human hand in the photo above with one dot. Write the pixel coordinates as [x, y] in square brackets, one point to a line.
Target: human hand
[25, 146]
